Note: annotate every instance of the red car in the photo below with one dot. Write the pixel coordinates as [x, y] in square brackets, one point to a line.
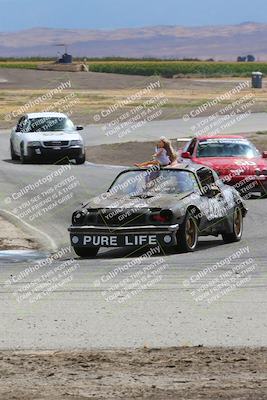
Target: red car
[235, 159]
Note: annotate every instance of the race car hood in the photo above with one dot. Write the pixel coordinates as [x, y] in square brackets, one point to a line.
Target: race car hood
[224, 166]
[52, 136]
[160, 200]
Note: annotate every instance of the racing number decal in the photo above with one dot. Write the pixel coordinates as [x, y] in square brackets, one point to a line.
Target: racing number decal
[244, 163]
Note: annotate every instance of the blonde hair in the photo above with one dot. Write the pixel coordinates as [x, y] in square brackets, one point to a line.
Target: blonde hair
[169, 149]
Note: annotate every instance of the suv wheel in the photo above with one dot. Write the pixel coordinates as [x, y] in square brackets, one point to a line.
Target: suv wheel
[12, 152]
[80, 160]
[24, 159]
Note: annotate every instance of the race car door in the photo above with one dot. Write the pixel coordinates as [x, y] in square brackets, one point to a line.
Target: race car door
[214, 203]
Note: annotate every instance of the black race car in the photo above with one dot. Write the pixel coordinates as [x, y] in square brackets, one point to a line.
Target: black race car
[170, 207]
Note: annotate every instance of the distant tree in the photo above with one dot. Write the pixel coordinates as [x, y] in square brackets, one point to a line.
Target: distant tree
[191, 59]
[250, 58]
[241, 59]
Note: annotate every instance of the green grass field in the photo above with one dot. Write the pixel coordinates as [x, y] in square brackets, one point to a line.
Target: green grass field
[183, 68]
[20, 64]
[163, 68]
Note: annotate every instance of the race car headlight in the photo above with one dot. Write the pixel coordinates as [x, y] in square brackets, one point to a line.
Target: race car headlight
[259, 172]
[78, 217]
[34, 144]
[76, 143]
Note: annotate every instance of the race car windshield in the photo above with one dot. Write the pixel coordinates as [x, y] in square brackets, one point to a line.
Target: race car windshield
[151, 183]
[48, 124]
[226, 148]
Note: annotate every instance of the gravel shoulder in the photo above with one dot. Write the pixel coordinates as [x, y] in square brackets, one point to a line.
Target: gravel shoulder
[121, 153]
[171, 373]
[13, 238]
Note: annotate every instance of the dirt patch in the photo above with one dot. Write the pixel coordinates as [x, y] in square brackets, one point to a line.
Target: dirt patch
[260, 140]
[13, 238]
[158, 374]
[126, 154]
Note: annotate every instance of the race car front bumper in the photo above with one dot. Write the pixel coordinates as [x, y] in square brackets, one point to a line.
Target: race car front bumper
[248, 183]
[135, 236]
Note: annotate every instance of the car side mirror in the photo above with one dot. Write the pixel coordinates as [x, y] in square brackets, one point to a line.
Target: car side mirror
[264, 154]
[186, 154]
[79, 128]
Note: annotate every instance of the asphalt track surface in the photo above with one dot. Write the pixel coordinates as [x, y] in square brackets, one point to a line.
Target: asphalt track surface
[175, 128]
[77, 314]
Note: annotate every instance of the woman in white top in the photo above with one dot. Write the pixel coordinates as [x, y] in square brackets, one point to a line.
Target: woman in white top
[163, 156]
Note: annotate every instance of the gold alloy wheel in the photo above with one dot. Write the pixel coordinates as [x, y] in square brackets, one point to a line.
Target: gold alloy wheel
[191, 233]
[238, 222]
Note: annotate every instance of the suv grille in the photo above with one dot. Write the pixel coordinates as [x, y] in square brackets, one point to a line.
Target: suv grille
[54, 143]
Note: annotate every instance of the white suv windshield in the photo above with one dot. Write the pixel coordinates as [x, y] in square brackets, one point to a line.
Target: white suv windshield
[47, 124]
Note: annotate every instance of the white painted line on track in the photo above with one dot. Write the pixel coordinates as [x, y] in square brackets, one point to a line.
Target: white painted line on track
[106, 165]
[53, 247]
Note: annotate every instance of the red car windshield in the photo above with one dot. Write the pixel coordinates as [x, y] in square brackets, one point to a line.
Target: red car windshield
[226, 148]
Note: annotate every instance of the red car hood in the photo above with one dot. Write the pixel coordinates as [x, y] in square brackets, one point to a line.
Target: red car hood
[224, 166]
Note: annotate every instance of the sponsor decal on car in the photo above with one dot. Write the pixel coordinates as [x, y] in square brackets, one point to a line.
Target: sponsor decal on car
[130, 240]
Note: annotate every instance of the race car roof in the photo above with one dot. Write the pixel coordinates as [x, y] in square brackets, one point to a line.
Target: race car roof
[220, 137]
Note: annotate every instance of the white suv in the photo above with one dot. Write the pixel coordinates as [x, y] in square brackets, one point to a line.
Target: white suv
[49, 134]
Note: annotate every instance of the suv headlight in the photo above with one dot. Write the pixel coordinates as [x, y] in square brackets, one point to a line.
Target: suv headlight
[76, 143]
[34, 144]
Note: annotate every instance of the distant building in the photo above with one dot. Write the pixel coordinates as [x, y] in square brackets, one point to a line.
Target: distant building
[65, 59]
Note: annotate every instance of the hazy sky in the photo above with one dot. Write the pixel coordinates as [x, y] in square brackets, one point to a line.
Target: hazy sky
[107, 14]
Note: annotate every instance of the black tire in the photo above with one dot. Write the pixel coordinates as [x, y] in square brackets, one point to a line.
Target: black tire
[237, 228]
[187, 236]
[80, 160]
[264, 193]
[23, 159]
[86, 252]
[12, 153]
